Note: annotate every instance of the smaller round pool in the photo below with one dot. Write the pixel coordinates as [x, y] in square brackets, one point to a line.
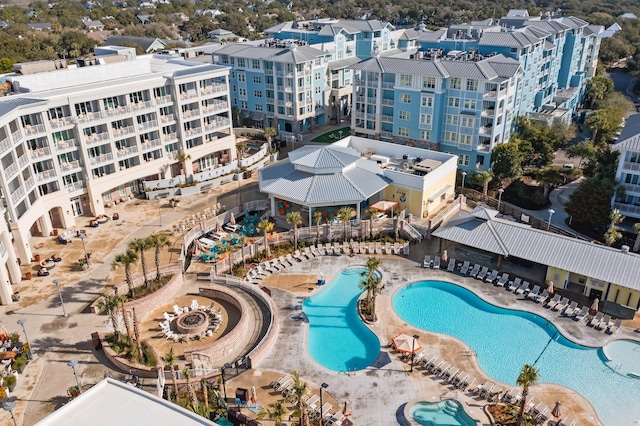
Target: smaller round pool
[448, 413]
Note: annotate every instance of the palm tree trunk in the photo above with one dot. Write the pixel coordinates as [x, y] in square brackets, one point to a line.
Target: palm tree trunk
[127, 274]
[295, 235]
[127, 324]
[143, 263]
[136, 332]
[523, 401]
[158, 263]
[114, 320]
[266, 245]
[174, 378]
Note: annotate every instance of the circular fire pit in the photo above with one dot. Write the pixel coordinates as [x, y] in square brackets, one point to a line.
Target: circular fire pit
[192, 322]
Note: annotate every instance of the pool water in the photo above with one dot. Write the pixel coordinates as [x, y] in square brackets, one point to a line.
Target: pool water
[443, 413]
[506, 339]
[338, 340]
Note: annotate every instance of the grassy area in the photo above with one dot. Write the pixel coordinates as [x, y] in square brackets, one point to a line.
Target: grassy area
[333, 136]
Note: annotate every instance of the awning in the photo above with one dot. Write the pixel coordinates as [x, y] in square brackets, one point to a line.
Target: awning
[258, 116]
[439, 193]
[384, 205]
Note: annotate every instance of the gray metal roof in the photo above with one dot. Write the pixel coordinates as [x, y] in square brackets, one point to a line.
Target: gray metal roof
[9, 103]
[483, 230]
[402, 66]
[508, 39]
[294, 54]
[505, 67]
[480, 70]
[437, 35]
[323, 157]
[343, 63]
[629, 138]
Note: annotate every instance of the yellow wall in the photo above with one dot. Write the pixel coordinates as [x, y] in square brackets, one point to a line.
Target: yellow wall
[558, 276]
[620, 295]
[416, 201]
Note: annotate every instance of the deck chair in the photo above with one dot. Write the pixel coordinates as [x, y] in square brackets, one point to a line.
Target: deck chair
[321, 249]
[582, 314]
[561, 305]
[503, 280]
[451, 267]
[596, 320]
[612, 328]
[514, 284]
[427, 262]
[604, 323]
[523, 287]
[465, 268]
[328, 248]
[436, 263]
[492, 276]
[474, 270]
[483, 273]
[534, 292]
[571, 309]
[552, 302]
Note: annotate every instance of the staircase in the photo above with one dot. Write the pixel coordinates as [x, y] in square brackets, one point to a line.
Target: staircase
[411, 232]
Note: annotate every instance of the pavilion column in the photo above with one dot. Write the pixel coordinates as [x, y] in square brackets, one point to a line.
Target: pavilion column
[357, 210]
[273, 205]
[310, 216]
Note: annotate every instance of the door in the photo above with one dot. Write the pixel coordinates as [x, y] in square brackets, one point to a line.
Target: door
[76, 206]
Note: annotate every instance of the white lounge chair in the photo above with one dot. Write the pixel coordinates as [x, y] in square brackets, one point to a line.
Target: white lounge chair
[290, 259]
[298, 256]
[541, 296]
[483, 273]
[281, 380]
[534, 292]
[321, 249]
[562, 304]
[523, 287]
[194, 305]
[579, 316]
[514, 284]
[308, 253]
[604, 323]
[489, 278]
[426, 263]
[474, 270]
[552, 302]
[596, 320]
[451, 267]
[503, 280]
[571, 309]
[465, 268]
[328, 247]
[436, 263]
[612, 328]
[168, 316]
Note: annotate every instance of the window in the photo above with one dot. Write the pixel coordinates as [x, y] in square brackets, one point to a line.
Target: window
[241, 78]
[242, 91]
[454, 102]
[270, 108]
[454, 83]
[452, 119]
[258, 107]
[233, 88]
[318, 90]
[428, 82]
[405, 98]
[270, 94]
[425, 118]
[465, 139]
[318, 76]
[470, 104]
[425, 135]
[406, 80]
[450, 136]
[472, 85]
[243, 104]
[463, 160]
[257, 93]
[466, 121]
[403, 131]
[318, 62]
[404, 115]
[427, 101]
[255, 64]
[241, 62]
[257, 79]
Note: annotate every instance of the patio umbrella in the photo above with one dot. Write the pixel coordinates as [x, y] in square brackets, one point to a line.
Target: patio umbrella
[160, 383]
[405, 343]
[550, 289]
[254, 397]
[346, 408]
[232, 219]
[595, 305]
[384, 205]
[445, 256]
[556, 410]
[218, 227]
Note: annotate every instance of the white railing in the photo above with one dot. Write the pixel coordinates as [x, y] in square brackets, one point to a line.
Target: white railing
[148, 125]
[30, 183]
[75, 186]
[170, 137]
[46, 175]
[102, 158]
[127, 151]
[24, 159]
[17, 194]
[61, 122]
[5, 144]
[150, 144]
[118, 110]
[122, 131]
[631, 166]
[16, 136]
[33, 129]
[11, 170]
[163, 99]
[40, 152]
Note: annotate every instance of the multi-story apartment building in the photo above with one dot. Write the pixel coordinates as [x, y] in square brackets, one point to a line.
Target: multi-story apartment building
[75, 140]
[277, 84]
[457, 105]
[628, 172]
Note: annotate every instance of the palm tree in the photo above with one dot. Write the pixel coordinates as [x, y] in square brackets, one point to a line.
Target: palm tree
[110, 304]
[528, 377]
[183, 157]
[636, 228]
[193, 398]
[372, 213]
[265, 227]
[170, 359]
[205, 392]
[139, 245]
[241, 148]
[294, 219]
[269, 132]
[275, 412]
[612, 235]
[371, 282]
[344, 214]
[299, 390]
[483, 178]
[158, 242]
[125, 260]
[317, 218]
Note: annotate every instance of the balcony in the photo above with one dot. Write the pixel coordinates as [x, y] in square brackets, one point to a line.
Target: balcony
[70, 165]
[40, 152]
[193, 132]
[123, 131]
[67, 144]
[46, 175]
[16, 136]
[151, 144]
[627, 209]
[191, 113]
[101, 159]
[5, 144]
[388, 102]
[75, 186]
[387, 118]
[22, 160]
[140, 105]
[17, 195]
[217, 124]
[484, 147]
[148, 125]
[163, 100]
[90, 116]
[119, 110]
[11, 170]
[631, 189]
[170, 137]
[61, 122]
[127, 151]
[33, 129]
[215, 107]
[29, 183]
[486, 130]
[96, 138]
[189, 94]
[633, 167]
[491, 94]
[167, 118]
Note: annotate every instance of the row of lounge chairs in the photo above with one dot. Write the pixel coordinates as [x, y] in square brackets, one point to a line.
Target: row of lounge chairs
[284, 385]
[459, 379]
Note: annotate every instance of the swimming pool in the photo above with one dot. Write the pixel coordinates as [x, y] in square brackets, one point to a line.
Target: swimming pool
[338, 340]
[448, 413]
[506, 339]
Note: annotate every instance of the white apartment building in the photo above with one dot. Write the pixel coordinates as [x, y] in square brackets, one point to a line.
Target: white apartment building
[73, 140]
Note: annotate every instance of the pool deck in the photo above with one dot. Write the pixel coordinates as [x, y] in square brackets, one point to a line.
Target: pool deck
[379, 393]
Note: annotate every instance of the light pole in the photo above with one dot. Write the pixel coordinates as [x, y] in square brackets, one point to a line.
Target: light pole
[500, 191]
[293, 142]
[57, 283]
[73, 363]
[322, 386]
[551, 212]
[464, 176]
[340, 133]
[86, 256]
[224, 380]
[9, 406]
[413, 350]
[157, 198]
[22, 322]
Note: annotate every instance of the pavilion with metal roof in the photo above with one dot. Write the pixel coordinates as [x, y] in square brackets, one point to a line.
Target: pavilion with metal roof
[597, 271]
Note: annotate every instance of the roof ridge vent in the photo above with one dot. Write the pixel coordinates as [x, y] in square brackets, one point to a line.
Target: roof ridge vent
[624, 249]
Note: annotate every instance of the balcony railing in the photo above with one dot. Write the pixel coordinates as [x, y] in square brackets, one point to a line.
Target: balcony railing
[11, 170]
[96, 138]
[5, 144]
[123, 131]
[189, 94]
[217, 124]
[46, 175]
[148, 125]
[16, 136]
[150, 144]
[191, 113]
[75, 186]
[170, 137]
[127, 151]
[634, 167]
[32, 129]
[61, 122]
[70, 165]
[101, 159]
[40, 152]
[29, 183]
[161, 100]
[22, 160]
[67, 144]
[118, 110]
[17, 195]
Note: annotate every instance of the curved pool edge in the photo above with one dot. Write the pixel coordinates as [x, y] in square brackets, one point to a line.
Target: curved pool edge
[584, 400]
[474, 416]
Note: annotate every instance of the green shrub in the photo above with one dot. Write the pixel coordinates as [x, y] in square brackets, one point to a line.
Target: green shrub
[10, 381]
